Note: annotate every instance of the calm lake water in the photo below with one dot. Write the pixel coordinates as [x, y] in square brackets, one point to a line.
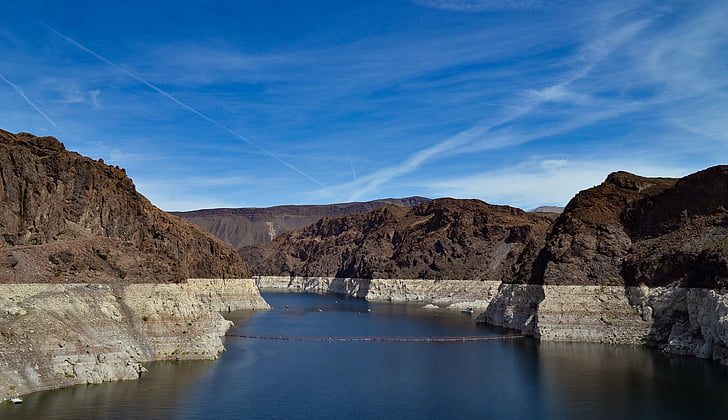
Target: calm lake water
[513, 379]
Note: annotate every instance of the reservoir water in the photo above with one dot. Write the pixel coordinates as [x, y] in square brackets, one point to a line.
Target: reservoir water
[510, 379]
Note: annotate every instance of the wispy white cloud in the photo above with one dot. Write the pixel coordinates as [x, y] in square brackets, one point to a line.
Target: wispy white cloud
[173, 194]
[94, 96]
[373, 181]
[711, 124]
[198, 181]
[489, 136]
[185, 201]
[73, 94]
[27, 100]
[543, 182]
[444, 92]
[351, 164]
[618, 57]
[169, 96]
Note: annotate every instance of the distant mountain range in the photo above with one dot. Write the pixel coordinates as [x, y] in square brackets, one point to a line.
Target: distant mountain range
[444, 238]
[548, 209]
[247, 226]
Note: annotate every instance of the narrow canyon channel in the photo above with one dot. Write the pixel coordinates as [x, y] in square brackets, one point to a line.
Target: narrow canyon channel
[515, 379]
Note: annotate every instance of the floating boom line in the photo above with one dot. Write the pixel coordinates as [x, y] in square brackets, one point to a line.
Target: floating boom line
[390, 339]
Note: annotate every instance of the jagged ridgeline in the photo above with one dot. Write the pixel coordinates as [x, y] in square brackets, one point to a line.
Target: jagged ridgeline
[632, 231]
[242, 227]
[68, 218]
[444, 239]
[628, 231]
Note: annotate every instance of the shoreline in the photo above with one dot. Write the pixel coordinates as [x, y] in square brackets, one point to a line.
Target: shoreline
[57, 335]
[682, 321]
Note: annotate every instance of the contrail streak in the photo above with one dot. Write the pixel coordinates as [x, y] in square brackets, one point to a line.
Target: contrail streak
[351, 164]
[166, 95]
[22, 94]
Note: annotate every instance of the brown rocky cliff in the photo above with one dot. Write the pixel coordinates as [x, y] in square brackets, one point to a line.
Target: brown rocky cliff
[441, 239]
[65, 217]
[680, 236]
[588, 242]
[632, 230]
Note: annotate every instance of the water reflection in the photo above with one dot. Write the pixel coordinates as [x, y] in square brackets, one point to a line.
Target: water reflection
[599, 381]
[518, 378]
[156, 394]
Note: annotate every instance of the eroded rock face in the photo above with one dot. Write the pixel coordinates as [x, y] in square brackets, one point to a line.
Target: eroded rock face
[639, 260]
[55, 335]
[679, 235]
[441, 239]
[589, 241]
[515, 306]
[68, 218]
[633, 230]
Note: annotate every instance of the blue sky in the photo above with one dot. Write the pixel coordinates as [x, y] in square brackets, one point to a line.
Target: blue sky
[212, 104]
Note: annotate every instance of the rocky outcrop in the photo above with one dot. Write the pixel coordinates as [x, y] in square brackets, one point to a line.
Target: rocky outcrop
[91, 274]
[444, 239]
[678, 237]
[601, 314]
[588, 242]
[56, 335]
[679, 320]
[634, 260]
[515, 306]
[246, 227]
[68, 218]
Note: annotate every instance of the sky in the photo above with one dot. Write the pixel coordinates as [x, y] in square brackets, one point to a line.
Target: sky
[259, 103]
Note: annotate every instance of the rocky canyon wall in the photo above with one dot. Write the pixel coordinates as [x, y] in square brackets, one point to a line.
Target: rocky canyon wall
[66, 218]
[633, 260]
[443, 239]
[93, 276]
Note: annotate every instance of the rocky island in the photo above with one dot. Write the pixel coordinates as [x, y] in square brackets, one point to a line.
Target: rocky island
[95, 280]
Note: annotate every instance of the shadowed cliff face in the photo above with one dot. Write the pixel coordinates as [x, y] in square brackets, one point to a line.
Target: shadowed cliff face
[632, 230]
[588, 241]
[255, 226]
[441, 239]
[680, 235]
[65, 217]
